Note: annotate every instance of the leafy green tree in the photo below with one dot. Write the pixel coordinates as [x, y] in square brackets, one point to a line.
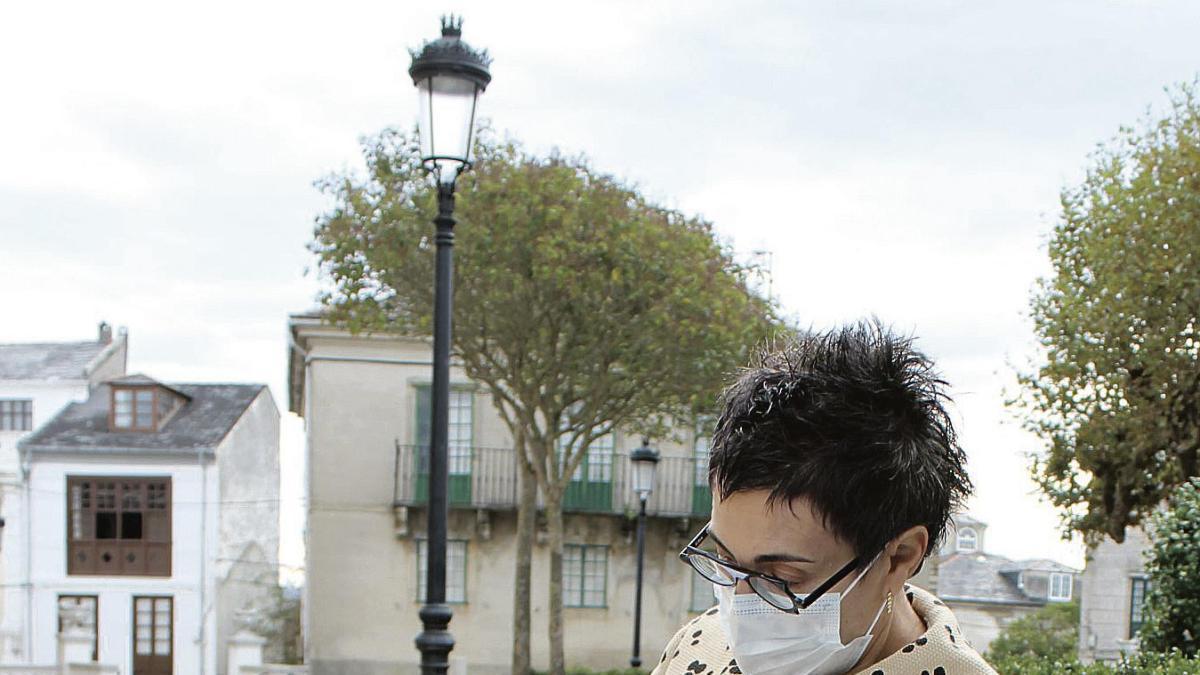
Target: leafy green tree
[580, 306]
[1117, 399]
[1172, 605]
[1050, 634]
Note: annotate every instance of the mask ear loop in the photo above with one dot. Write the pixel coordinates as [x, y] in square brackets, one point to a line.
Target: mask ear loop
[887, 604]
[861, 574]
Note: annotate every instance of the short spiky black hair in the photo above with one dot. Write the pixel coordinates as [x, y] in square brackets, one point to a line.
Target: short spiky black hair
[852, 420]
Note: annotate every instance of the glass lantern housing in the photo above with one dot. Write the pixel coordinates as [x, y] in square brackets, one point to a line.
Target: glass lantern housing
[449, 76]
[645, 463]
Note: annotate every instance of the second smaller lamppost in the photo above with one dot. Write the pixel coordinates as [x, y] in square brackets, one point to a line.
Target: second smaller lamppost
[645, 461]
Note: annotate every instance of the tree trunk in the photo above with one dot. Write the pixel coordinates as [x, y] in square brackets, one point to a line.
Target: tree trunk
[554, 521]
[526, 521]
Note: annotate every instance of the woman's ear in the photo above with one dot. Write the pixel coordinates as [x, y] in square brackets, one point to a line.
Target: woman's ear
[906, 554]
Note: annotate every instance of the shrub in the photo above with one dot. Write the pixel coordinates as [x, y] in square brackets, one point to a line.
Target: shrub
[1144, 663]
[1050, 634]
[1173, 600]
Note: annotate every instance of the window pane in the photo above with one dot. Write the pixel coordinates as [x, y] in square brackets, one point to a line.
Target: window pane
[1137, 598]
[123, 408]
[106, 495]
[456, 570]
[106, 525]
[131, 525]
[424, 411]
[460, 431]
[599, 459]
[594, 575]
[700, 454]
[16, 415]
[76, 512]
[162, 647]
[572, 575]
[156, 495]
[79, 610]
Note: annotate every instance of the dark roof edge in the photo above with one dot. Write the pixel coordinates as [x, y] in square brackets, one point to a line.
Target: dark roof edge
[74, 451]
[991, 601]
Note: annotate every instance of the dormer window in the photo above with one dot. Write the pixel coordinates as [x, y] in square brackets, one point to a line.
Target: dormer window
[133, 408]
[141, 407]
[968, 540]
[1060, 586]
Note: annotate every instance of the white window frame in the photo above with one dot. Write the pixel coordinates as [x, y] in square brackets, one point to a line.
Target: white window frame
[456, 570]
[585, 575]
[960, 546]
[460, 427]
[1064, 579]
[599, 459]
[460, 431]
[701, 449]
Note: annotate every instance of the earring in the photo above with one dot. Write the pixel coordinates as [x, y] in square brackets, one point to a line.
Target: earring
[889, 602]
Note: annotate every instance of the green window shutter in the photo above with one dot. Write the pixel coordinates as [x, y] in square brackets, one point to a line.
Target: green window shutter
[424, 423]
[424, 415]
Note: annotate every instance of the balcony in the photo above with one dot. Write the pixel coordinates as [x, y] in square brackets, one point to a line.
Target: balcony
[486, 478]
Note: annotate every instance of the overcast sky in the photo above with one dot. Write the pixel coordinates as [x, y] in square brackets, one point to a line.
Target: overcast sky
[901, 159]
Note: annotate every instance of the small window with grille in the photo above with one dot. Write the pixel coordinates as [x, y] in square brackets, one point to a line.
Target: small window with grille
[16, 414]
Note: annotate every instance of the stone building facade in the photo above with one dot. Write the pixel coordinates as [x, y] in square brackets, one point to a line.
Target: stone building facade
[1115, 584]
[364, 400]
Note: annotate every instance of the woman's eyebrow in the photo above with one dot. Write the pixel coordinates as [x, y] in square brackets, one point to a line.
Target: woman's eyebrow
[763, 558]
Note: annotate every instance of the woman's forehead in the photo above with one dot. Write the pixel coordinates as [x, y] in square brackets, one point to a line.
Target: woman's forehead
[749, 524]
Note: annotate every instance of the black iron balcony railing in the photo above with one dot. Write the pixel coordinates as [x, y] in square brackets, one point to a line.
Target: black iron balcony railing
[486, 478]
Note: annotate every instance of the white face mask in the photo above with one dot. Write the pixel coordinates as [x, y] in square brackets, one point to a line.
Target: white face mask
[767, 641]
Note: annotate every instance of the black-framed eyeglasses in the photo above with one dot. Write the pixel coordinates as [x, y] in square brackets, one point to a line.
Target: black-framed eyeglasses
[775, 591]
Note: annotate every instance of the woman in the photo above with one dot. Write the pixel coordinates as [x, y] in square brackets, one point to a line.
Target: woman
[834, 470]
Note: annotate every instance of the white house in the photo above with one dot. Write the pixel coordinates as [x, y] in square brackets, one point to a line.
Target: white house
[36, 381]
[155, 515]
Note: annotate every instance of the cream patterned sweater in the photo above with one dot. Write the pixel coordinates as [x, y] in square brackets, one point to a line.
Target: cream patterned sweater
[700, 647]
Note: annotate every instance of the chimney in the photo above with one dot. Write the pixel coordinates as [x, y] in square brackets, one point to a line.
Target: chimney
[105, 333]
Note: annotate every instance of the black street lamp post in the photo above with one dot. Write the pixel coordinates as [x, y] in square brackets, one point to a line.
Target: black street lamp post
[645, 461]
[449, 76]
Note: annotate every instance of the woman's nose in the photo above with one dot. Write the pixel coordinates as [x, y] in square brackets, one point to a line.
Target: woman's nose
[742, 586]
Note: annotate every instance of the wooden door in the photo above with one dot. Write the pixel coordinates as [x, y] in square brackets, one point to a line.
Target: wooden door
[153, 635]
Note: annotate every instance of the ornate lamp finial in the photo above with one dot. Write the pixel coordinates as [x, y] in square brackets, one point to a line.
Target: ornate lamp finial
[451, 26]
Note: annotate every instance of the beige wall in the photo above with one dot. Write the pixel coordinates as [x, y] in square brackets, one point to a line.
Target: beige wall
[1104, 600]
[981, 623]
[361, 594]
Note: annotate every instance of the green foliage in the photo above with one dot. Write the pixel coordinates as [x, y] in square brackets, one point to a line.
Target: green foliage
[580, 305]
[279, 621]
[1117, 399]
[1051, 633]
[1143, 663]
[1172, 608]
